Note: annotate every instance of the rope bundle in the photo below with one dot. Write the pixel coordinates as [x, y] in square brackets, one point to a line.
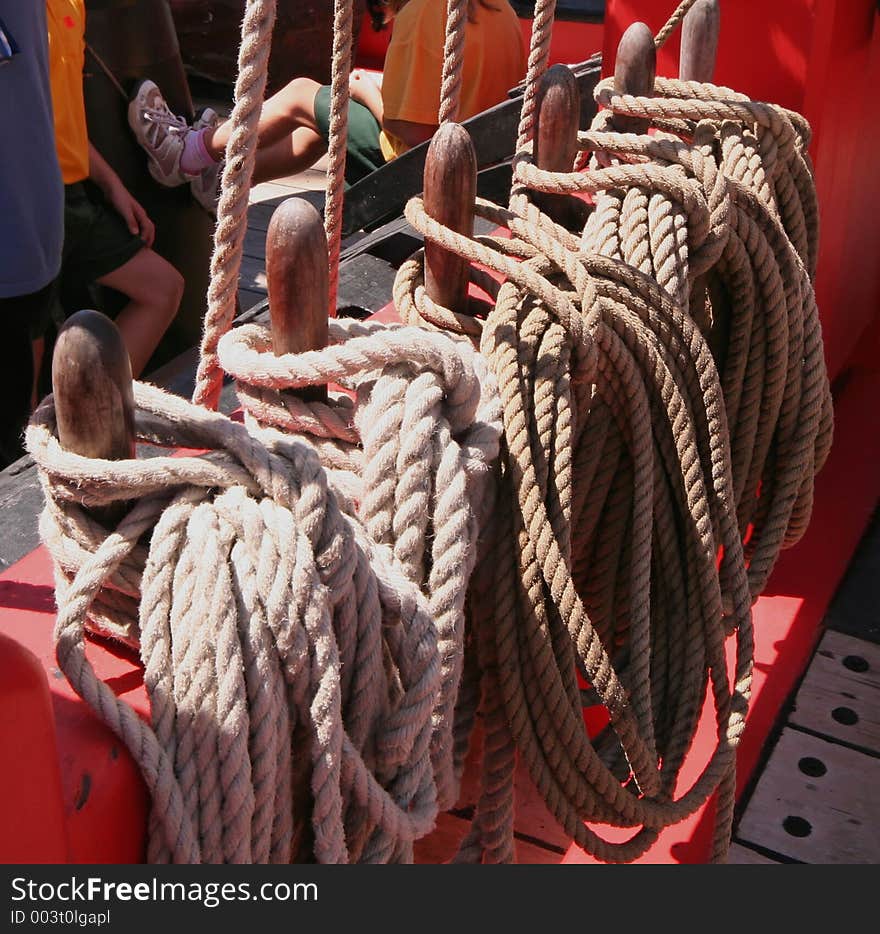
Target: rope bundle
[770, 351]
[417, 444]
[283, 643]
[633, 468]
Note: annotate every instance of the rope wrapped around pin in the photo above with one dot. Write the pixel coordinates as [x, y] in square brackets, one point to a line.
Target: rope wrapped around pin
[757, 304]
[579, 346]
[280, 642]
[417, 439]
[748, 286]
[622, 461]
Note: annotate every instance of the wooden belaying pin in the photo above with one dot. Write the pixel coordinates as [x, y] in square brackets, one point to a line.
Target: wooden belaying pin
[94, 401]
[297, 270]
[450, 187]
[557, 117]
[634, 73]
[699, 41]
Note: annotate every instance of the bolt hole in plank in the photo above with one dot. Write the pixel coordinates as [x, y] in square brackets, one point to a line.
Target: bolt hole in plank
[797, 826]
[845, 715]
[816, 802]
[816, 768]
[839, 696]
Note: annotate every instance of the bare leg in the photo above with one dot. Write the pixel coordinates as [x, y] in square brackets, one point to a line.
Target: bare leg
[154, 288]
[287, 110]
[290, 155]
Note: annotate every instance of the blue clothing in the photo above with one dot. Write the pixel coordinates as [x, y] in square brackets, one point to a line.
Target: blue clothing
[31, 191]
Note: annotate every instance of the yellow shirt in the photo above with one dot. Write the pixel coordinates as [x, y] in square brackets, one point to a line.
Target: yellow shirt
[495, 60]
[67, 26]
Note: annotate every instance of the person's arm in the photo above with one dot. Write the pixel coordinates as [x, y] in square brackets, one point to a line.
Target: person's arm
[118, 195]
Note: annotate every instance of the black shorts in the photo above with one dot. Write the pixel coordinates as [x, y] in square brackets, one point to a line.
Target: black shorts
[30, 312]
[96, 240]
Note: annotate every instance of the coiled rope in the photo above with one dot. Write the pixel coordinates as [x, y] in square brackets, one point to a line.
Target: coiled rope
[267, 612]
[419, 441]
[631, 464]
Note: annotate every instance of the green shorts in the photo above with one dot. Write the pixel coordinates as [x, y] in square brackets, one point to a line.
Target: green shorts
[96, 240]
[364, 155]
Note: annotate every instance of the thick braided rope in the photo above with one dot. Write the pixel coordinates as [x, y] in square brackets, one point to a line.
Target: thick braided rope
[552, 720]
[453, 59]
[415, 306]
[343, 39]
[238, 169]
[775, 155]
[774, 165]
[782, 138]
[539, 55]
[428, 420]
[672, 23]
[255, 592]
[718, 770]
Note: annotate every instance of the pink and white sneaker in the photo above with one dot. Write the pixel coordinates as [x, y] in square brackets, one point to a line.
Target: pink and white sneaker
[160, 133]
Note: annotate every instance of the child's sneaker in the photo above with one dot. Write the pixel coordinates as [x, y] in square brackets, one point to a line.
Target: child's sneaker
[160, 132]
[205, 186]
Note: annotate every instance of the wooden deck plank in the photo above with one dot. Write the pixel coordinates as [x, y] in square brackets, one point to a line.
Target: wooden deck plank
[310, 179]
[255, 242]
[259, 213]
[739, 855]
[441, 845]
[247, 298]
[840, 694]
[268, 191]
[816, 802]
[252, 275]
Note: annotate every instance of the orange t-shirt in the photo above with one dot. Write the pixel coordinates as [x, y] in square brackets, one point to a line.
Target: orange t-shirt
[67, 26]
[495, 60]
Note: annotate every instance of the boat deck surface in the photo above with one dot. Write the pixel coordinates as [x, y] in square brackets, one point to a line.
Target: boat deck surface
[815, 796]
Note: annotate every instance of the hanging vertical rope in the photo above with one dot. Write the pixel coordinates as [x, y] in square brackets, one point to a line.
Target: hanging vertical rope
[343, 39]
[672, 23]
[539, 55]
[453, 59]
[238, 170]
